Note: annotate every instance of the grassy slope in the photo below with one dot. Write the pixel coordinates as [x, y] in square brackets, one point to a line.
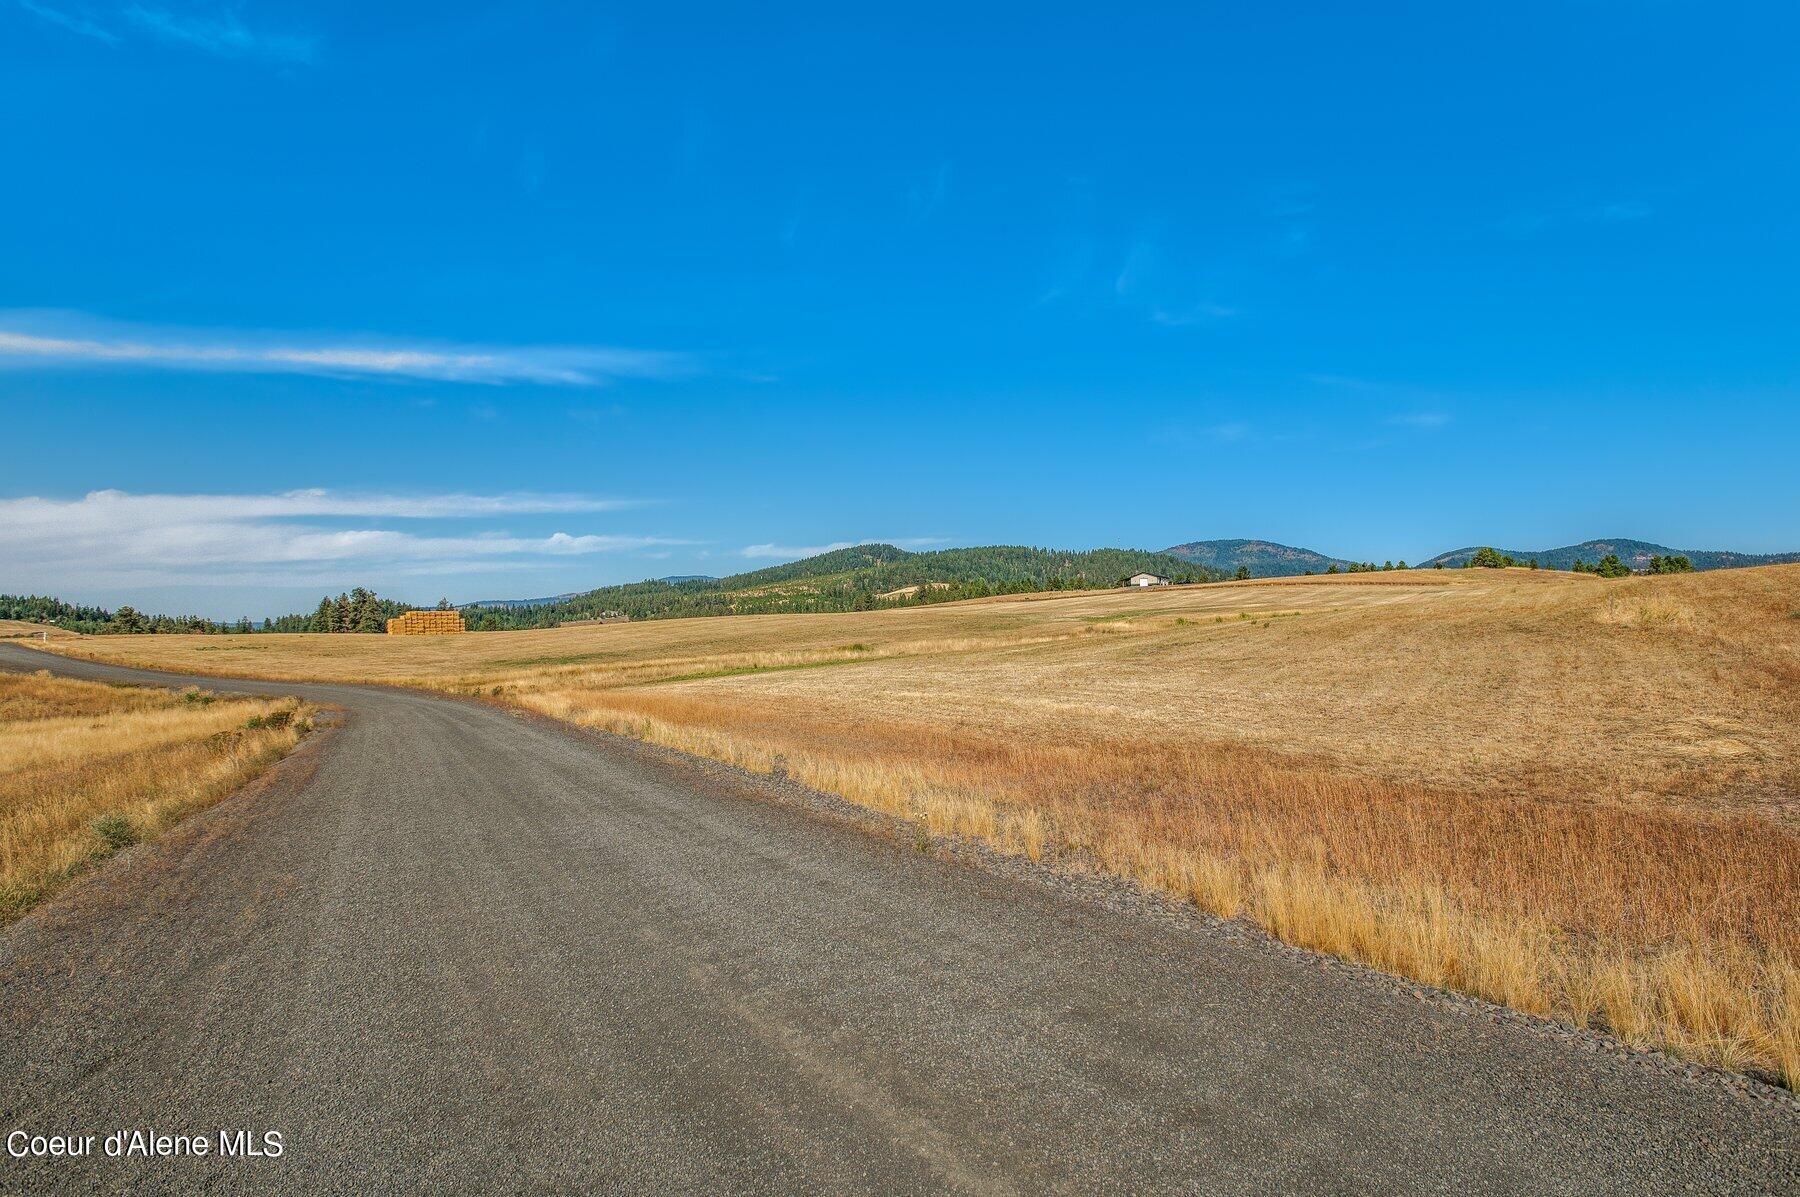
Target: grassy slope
[1576, 796]
[86, 768]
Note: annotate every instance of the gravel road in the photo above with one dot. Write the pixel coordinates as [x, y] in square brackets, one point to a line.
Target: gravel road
[449, 948]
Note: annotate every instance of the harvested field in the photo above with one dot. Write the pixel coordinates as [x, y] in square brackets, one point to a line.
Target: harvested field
[1578, 797]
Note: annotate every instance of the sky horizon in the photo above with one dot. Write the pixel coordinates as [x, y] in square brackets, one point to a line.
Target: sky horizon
[454, 302]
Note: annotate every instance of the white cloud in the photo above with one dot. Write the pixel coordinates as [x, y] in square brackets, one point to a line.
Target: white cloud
[67, 339]
[789, 552]
[113, 538]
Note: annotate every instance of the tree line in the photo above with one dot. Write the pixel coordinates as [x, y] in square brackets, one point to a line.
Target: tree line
[358, 610]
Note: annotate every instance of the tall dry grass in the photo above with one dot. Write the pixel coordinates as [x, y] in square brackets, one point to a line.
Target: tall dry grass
[1673, 928]
[86, 769]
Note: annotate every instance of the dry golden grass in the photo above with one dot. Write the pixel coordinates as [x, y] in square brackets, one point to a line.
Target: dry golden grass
[86, 768]
[1578, 797]
[22, 629]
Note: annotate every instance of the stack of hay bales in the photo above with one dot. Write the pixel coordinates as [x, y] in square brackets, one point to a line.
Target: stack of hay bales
[426, 623]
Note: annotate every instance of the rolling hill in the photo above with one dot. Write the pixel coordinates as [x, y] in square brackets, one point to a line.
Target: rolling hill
[857, 578]
[1263, 558]
[1267, 559]
[1634, 553]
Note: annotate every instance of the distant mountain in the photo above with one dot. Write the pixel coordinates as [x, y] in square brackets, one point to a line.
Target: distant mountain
[860, 578]
[1266, 559]
[508, 604]
[1634, 553]
[1263, 558]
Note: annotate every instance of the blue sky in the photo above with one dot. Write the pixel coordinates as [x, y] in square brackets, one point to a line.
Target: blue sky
[502, 300]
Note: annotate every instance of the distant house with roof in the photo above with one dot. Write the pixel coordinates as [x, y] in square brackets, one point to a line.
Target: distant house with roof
[1142, 580]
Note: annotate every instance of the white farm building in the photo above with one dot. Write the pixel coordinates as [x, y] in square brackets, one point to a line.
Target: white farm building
[1146, 580]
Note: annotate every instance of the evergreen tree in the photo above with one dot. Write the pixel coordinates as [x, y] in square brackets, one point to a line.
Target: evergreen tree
[365, 612]
[1611, 567]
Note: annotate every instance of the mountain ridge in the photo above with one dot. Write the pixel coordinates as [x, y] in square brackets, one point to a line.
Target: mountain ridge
[1270, 559]
[1634, 553]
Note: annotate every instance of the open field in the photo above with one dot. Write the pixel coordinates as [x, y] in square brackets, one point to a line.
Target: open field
[87, 768]
[1578, 797]
[21, 629]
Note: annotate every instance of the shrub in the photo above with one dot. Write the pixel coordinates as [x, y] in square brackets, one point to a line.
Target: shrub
[274, 720]
[115, 831]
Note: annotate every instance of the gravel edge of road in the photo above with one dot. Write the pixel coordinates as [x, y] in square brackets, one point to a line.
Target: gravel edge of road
[1088, 885]
[113, 881]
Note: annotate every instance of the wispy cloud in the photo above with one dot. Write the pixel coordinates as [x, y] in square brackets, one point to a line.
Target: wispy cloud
[1165, 296]
[926, 198]
[71, 340]
[222, 34]
[212, 30]
[792, 552]
[113, 537]
[1198, 313]
[1545, 219]
[74, 20]
[1423, 417]
[1346, 382]
[1205, 436]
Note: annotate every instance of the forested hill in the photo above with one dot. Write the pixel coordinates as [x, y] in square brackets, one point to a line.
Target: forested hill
[854, 579]
[1263, 558]
[1635, 554]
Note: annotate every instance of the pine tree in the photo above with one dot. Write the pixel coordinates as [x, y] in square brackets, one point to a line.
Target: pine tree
[365, 611]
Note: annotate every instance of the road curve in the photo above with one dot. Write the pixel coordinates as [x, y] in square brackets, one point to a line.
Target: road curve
[472, 952]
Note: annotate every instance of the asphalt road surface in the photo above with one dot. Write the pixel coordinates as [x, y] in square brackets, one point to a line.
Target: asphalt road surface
[460, 950]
